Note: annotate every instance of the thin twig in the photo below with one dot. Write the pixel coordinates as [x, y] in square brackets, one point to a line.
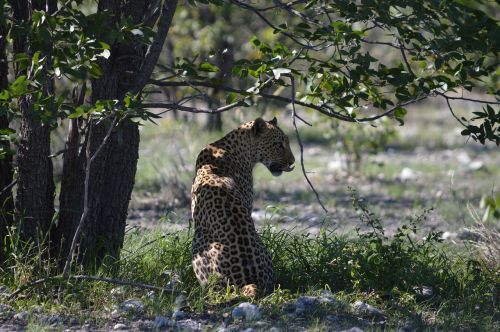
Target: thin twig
[10, 185]
[270, 24]
[468, 99]
[453, 113]
[89, 278]
[294, 115]
[405, 59]
[90, 159]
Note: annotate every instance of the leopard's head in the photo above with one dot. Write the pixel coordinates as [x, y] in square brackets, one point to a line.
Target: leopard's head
[273, 146]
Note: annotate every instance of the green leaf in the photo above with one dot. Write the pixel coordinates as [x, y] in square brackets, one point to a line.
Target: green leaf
[208, 67]
[19, 86]
[255, 41]
[399, 114]
[231, 97]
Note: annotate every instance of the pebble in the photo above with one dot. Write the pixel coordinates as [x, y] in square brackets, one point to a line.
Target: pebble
[365, 309]
[21, 316]
[132, 306]
[120, 326]
[178, 315]
[247, 311]
[189, 325]
[161, 323]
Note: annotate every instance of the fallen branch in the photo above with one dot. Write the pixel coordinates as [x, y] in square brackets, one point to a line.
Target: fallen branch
[89, 278]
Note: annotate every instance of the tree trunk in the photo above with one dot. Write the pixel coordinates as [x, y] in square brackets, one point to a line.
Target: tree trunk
[6, 203]
[113, 171]
[225, 60]
[35, 185]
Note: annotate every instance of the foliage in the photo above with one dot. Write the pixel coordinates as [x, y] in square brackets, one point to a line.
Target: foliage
[66, 46]
[423, 49]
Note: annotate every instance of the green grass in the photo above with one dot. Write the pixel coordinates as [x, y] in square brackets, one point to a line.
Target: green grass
[368, 266]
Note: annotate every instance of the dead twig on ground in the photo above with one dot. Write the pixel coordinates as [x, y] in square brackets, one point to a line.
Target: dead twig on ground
[80, 277]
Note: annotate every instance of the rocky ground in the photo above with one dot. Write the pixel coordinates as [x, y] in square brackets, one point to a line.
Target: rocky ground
[322, 312]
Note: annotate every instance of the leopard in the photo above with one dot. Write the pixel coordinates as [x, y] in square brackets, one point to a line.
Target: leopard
[225, 241]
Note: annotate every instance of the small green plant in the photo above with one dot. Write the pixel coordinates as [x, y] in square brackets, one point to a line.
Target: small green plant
[357, 141]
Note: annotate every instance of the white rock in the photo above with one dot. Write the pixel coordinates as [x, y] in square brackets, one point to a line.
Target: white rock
[246, 311]
[408, 174]
[120, 326]
[448, 235]
[463, 158]
[476, 165]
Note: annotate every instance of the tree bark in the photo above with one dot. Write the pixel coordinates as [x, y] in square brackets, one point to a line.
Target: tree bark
[35, 186]
[6, 173]
[113, 171]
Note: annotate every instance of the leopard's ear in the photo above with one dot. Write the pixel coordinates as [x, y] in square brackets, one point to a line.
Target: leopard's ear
[259, 126]
[274, 121]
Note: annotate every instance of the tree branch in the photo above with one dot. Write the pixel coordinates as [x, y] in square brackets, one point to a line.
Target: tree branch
[294, 115]
[182, 108]
[320, 108]
[151, 58]
[467, 99]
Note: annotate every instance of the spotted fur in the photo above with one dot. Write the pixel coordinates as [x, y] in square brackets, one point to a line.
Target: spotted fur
[225, 241]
